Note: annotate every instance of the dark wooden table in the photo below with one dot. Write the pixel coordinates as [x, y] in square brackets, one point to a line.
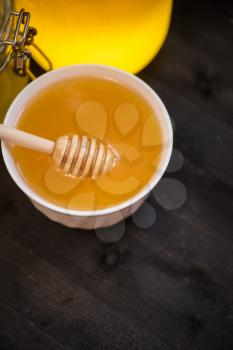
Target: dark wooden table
[166, 287]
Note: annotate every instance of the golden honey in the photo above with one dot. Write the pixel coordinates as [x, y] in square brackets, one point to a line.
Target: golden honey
[121, 33]
[100, 108]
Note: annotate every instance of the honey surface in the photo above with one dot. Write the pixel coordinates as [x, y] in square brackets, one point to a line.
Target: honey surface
[100, 108]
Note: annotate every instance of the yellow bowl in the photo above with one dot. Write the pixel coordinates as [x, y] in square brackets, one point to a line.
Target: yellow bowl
[123, 33]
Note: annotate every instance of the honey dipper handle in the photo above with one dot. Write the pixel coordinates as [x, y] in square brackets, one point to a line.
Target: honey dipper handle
[26, 140]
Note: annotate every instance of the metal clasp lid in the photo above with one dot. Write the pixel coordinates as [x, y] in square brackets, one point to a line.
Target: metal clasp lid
[16, 45]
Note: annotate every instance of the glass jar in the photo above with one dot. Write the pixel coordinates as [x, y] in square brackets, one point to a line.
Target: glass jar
[5, 28]
[125, 34]
[15, 37]
[13, 62]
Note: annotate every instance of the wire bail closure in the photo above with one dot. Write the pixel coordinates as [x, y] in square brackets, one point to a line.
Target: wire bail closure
[16, 45]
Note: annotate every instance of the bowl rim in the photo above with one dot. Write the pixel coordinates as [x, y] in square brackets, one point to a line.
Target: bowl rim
[44, 81]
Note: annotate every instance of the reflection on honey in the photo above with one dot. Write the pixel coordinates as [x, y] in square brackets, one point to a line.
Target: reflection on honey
[121, 33]
[100, 108]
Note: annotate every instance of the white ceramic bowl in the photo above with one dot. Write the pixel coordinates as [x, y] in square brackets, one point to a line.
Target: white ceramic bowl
[95, 218]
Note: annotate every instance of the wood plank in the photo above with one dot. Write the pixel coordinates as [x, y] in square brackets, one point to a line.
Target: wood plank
[185, 248]
[196, 59]
[144, 288]
[52, 301]
[208, 198]
[204, 140]
[18, 332]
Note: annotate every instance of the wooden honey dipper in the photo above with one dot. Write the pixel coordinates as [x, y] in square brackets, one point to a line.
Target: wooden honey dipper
[78, 156]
